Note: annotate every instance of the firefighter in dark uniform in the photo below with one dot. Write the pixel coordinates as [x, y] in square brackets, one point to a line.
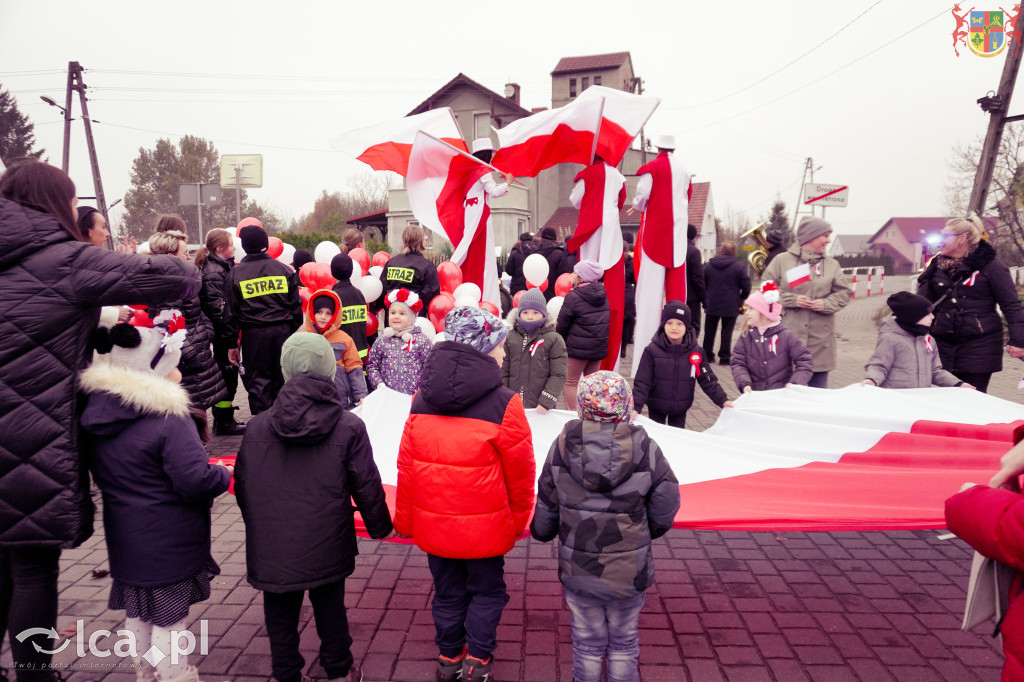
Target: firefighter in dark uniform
[353, 304]
[410, 270]
[261, 300]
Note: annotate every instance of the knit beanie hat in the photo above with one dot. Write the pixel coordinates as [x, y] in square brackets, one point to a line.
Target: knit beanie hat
[254, 239]
[811, 228]
[774, 237]
[304, 353]
[526, 237]
[533, 299]
[145, 344]
[766, 301]
[691, 232]
[475, 327]
[549, 234]
[322, 300]
[908, 308]
[588, 270]
[604, 397]
[676, 310]
[302, 257]
[341, 267]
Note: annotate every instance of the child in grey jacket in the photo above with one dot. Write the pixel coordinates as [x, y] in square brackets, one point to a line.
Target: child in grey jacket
[905, 354]
[535, 361]
[606, 490]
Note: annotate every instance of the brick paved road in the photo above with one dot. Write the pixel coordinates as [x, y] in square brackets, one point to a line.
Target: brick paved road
[727, 605]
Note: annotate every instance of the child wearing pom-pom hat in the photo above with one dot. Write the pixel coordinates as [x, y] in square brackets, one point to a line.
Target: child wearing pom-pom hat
[397, 356]
[767, 354]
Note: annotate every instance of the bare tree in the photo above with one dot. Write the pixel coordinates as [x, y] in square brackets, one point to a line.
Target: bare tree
[367, 193]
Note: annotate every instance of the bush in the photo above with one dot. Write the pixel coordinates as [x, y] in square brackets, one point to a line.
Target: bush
[373, 247]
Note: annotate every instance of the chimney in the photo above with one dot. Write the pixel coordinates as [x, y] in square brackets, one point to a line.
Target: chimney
[512, 92]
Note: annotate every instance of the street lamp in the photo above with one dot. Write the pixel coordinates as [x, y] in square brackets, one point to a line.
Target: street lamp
[54, 104]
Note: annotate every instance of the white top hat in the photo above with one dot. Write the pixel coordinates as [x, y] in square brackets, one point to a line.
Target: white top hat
[665, 142]
[483, 144]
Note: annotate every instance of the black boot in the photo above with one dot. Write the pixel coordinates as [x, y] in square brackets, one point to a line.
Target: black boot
[224, 423]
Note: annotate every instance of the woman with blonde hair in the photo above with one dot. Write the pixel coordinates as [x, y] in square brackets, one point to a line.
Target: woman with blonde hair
[410, 270]
[965, 282]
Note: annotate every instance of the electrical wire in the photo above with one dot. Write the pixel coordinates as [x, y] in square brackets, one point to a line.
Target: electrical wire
[235, 142]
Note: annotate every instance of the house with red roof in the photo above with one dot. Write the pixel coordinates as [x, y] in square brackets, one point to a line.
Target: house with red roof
[912, 241]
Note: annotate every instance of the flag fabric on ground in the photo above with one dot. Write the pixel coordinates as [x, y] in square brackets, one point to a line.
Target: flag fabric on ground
[623, 116]
[799, 459]
[387, 146]
[563, 135]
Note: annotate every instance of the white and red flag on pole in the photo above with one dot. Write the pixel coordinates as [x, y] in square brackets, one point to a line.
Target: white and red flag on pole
[387, 146]
[564, 135]
[439, 184]
[623, 116]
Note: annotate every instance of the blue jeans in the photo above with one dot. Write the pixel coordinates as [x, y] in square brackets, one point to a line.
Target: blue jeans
[605, 628]
[469, 597]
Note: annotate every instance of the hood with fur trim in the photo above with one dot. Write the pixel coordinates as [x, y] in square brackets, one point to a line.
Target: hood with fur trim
[118, 396]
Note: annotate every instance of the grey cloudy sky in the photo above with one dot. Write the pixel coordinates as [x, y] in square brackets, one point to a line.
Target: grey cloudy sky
[879, 106]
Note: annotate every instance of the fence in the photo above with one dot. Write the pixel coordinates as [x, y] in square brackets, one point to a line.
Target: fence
[1018, 276]
[871, 276]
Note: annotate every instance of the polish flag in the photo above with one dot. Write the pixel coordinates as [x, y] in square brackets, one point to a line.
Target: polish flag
[801, 274]
[797, 459]
[624, 115]
[387, 146]
[564, 135]
[445, 197]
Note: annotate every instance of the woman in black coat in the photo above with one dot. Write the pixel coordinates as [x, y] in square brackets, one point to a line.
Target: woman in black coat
[584, 322]
[967, 281]
[410, 270]
[52, 285]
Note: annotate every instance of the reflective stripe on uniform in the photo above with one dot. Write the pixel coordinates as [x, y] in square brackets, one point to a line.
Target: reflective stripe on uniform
[261, 286]
[397, 274]
[353, 313]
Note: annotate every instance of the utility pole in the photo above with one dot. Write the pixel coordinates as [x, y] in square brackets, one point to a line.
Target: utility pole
[996, 106]
[808, 168]
[66, 157]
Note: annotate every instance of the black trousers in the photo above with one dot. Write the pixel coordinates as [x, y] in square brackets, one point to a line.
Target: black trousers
[628, 325]
[979, 381]
[281, 613]
[678, 420]
[469, 596]
[725, 347]
[28, 599]
[695, 309]
[227, 370]
[261, 357]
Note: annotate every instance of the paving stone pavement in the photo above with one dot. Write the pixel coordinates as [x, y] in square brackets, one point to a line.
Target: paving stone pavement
[866, 606]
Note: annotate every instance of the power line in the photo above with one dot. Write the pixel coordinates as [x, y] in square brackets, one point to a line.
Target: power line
[246, 144]
[781, 68]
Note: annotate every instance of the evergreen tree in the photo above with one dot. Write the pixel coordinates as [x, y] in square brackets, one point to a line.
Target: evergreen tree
[16, 137]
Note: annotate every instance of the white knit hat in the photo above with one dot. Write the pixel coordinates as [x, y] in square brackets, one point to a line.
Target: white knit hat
[145, 345]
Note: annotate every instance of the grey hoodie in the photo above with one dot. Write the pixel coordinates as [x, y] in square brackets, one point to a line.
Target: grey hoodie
[902, 360]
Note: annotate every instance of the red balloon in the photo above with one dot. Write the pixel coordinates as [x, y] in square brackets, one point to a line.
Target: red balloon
[372, 323]
[317, 276]
[306, 275]
[543, 285]
[275, 248]
[515, 299]
[305, 293]
[491, 308]
[440, 306]
[450, 276]
[563, 285]
[361, 256]
[381, 258]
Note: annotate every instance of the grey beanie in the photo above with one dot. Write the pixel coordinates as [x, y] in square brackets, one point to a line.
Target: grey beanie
[810, 228]
[533, 299]
[305, 353]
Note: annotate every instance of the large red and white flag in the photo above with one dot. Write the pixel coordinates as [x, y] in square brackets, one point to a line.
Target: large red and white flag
[387, 146]
[623, 116]
[857, 458]
[564, 135]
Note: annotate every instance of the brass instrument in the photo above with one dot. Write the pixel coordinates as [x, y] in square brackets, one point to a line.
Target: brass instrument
[760, 255]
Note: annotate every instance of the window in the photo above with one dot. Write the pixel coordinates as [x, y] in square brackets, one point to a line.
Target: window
[572, 87]
[586, 83]
[481, 125]
[522, 226]
[597, 80]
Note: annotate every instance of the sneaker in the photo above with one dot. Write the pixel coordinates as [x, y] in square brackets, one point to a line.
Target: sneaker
[450, 669]
[475, 670]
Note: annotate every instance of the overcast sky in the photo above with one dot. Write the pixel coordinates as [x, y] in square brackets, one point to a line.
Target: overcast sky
[879, 106]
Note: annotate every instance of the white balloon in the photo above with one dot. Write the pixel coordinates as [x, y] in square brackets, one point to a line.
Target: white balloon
[325, 252]
[467, 290]
[554, 305]
[357, 271]
[287, 255]
[370, 286]
[239, 251]
[375, 270]
[427, 327]
[535, 269]
[467, 301]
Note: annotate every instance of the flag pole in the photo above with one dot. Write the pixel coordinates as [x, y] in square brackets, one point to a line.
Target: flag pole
[597, 133]
[467, 155]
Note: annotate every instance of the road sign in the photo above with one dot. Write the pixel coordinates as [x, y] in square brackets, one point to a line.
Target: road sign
[250, 165]
[826, 195]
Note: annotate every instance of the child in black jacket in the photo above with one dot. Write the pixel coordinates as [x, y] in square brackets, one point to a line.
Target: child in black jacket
[670, 368]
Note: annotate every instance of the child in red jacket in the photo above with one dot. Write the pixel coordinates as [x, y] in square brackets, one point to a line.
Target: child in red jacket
[466, 487]
[991, 520]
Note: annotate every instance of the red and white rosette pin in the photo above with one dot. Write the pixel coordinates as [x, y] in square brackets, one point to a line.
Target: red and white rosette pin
[970, 280]
[772, 345]
[695, 359]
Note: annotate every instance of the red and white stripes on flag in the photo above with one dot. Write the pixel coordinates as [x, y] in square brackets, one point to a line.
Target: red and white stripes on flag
[623, 116]
[387, 146]
[564, 135]
[857, 458]
[443, 194]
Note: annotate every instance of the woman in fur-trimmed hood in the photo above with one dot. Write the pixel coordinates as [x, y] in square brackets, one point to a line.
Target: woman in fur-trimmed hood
[157, 483]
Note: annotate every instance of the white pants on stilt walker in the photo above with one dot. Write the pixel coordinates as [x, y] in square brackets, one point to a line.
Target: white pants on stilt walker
[650, 299]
